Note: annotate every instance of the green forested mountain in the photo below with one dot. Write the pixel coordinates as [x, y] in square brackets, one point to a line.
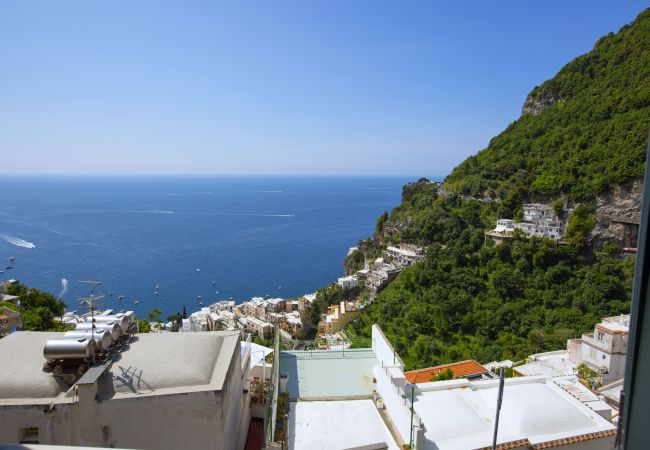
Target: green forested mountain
[580, 134]
[472, 299]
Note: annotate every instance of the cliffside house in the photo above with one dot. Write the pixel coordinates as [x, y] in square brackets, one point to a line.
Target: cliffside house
[349, 282]
[404, 255]
[539, 220]
[604, 350]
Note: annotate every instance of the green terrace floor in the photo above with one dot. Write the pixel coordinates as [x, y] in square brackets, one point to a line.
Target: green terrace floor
[321, 374]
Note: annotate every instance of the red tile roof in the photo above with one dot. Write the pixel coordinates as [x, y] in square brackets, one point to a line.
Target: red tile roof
[460, 369]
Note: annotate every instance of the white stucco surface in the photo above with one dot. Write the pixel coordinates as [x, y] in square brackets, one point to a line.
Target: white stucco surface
[327, 425]
[550, 364]
[164, 391]
[460, 415]
[21, 362]
[167, 360]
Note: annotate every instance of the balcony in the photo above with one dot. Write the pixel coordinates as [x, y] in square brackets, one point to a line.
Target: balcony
[600, 345]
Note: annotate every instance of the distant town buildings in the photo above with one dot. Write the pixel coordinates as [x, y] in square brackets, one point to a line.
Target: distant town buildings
[349, 282]
[539, 220]
[404, 255]
[337, 317]
[10, 321]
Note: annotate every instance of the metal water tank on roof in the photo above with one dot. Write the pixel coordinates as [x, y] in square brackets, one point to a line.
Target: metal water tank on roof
[112, 328]
[69, 349]
[120, 319]
[131, 316]
[102, 338]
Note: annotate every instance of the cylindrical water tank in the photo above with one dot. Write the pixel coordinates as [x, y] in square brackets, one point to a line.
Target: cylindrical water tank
[131, 316]
[119, 319]
[68, 349]
[102, 338]
[112, 328]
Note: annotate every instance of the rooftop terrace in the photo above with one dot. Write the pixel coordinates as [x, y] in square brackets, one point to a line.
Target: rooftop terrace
[325, 373]
[160, 363]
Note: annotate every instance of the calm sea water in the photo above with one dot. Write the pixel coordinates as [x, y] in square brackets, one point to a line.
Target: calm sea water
[250, 236]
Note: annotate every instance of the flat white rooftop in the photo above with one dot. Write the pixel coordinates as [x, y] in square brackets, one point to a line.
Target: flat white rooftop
[459, 414]
[551, 364]
[328, 425]
[160, 363]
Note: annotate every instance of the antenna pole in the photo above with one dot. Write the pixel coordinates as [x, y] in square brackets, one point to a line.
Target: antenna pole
[499, 401]
[90, 301]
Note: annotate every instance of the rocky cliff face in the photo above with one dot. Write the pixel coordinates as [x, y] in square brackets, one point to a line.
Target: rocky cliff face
[537, 102]
[617, 213]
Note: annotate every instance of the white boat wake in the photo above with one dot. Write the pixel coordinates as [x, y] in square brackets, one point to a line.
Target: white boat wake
[17, 241]
[255, 215]
[64, 287]
[153, 211]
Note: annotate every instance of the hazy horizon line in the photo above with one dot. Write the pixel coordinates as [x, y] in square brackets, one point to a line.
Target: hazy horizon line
[212, 174]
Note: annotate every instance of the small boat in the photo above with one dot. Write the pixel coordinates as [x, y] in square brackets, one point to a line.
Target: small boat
[12, 259]
[217, 292]
[199, 296]
[156, 293]
[157, 287]
[198, 270]
[110, 294]
[120, 297]
[200, 303]
[136, 302]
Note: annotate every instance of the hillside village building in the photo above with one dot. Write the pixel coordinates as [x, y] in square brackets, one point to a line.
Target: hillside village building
[604, 350]
[337, 317]
[404, 255]
[10, 321]
[163, 391]
[349, 282]
[539, 220]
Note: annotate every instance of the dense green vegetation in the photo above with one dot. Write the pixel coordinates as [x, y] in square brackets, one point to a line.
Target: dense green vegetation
[424, 217]
[472, 299]
[443, 376]
[496, 302]
[582, 132]
[593, 135]
[39, 309]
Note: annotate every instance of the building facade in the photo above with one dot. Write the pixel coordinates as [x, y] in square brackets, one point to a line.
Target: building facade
[163, 391]
[603, 351]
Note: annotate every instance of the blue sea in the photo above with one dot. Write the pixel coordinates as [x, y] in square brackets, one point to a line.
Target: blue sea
[200, 239]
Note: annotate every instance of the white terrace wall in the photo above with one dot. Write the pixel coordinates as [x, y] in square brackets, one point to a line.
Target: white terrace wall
[383, 350]
[391, 385]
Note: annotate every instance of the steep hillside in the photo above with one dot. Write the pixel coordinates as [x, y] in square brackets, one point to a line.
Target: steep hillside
[581, 141]
[580, 133]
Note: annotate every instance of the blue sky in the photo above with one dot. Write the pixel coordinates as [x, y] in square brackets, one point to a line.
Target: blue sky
[281, 87]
